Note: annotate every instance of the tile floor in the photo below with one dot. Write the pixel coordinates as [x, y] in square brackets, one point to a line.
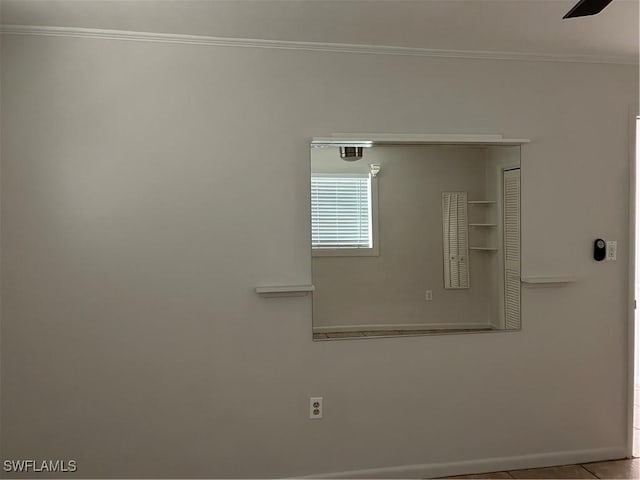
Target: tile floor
[612, 469]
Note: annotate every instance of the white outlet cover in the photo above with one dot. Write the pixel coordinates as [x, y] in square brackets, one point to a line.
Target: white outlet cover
[428, 295]
[315, 408]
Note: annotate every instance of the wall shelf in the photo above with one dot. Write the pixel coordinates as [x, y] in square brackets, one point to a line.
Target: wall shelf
[284, 290]
[552, 280]
[483, 223]
[370, 139]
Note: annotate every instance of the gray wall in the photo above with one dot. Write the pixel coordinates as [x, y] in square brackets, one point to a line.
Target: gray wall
[389, 289]
[148, 187]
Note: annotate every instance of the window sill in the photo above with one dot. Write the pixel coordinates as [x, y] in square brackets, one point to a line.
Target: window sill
[345, 252]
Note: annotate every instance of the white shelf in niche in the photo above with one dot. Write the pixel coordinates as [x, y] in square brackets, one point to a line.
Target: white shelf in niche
[483, 225]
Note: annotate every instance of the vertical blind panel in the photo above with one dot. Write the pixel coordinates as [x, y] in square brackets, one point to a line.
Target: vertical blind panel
[511, 193]
[341, 211]
[454, 240]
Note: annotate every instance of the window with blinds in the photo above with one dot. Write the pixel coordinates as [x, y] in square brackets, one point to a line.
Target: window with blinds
[341, 212]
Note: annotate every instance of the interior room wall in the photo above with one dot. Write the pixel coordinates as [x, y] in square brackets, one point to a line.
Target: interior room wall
[148, 187]
[389, 289]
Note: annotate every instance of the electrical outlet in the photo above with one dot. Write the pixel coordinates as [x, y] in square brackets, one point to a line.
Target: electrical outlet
[315, 408]
[428, 295]
[612, 251]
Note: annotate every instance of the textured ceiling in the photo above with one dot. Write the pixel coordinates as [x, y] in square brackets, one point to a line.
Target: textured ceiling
[531, 26]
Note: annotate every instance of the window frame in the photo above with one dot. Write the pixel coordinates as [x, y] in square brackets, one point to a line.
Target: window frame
[374, 251]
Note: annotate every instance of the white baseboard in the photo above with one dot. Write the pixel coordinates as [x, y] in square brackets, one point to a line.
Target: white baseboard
[401, 326]
[483, 465]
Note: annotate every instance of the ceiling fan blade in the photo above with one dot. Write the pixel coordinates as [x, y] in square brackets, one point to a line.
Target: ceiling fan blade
[587, 7]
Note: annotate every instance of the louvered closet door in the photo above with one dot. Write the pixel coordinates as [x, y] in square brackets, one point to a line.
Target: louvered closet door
[511, 211]
[455, 240]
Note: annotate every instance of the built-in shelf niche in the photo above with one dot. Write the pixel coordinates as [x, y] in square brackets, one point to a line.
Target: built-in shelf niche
[482, 223]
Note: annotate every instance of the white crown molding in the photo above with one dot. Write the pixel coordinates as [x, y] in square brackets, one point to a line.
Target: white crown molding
[78, 32]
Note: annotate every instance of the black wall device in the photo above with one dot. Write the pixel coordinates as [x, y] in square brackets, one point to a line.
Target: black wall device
[599, 249]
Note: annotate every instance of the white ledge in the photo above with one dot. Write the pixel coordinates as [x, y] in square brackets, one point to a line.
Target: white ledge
[284, 290]
[558, 280]
[370, 139]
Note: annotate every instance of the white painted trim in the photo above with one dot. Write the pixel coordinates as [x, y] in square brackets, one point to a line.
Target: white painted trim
[401, 326]
[483, 465]
[370, 139]
[106, 34]
[284, 290]
[421, 136]
[631, 292]
[499, 216]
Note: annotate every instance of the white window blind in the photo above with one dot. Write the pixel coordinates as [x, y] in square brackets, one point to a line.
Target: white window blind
[341, 211]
